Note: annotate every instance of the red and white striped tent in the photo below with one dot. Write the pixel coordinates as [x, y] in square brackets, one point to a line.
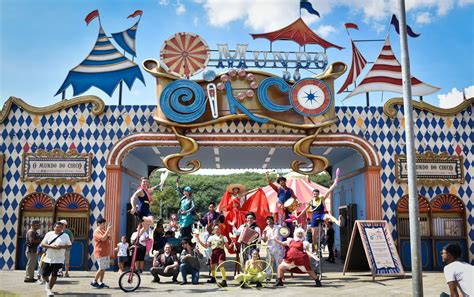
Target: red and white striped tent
[386, 75]
[303, 189]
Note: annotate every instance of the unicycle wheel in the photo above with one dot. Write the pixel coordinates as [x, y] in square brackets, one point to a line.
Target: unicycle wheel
[129, 281]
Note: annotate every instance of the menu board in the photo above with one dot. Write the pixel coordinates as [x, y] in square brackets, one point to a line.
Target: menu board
[372, 248]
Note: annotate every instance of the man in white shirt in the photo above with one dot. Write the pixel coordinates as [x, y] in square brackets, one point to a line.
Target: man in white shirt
[251, 224]
[55, 242]
[458, 274]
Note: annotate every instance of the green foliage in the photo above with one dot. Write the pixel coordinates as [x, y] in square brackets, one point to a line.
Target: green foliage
[207, 188]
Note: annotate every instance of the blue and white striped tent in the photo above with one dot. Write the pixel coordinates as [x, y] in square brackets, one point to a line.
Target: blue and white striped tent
[126, 39]
[103, 68]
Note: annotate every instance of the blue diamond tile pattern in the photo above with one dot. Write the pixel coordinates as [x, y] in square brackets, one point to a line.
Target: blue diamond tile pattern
[76, 126]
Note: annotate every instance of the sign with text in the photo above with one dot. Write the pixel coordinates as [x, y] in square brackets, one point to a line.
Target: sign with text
[372, 248]
[431, 169]
[56, 167]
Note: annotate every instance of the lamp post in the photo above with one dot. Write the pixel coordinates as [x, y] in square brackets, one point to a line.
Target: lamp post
[414, 216]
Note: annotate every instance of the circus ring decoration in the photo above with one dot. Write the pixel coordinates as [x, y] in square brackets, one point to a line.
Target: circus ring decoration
[75, 209]
[114, 169]
[35, 206]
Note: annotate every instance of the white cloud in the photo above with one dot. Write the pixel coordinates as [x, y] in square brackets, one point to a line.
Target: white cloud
[455, 97]
[164, 2]
[180, 9]
[326, 30]
[195, 21]
[423, 18]
[264, 15]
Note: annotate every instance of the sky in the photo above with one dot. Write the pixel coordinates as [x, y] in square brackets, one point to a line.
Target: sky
[41, 40]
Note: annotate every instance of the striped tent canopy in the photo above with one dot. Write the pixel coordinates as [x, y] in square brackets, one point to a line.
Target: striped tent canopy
[126, 39]
[386, 75]
[103, 68]
[357, 65]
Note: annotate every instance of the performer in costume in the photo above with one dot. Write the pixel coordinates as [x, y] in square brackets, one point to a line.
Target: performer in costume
[297, 257]
[209, 220]
[251, 223]
[230, 206]
[284, 193]
[319, 211]
[274, 250]
[217, 242]
[186, 210]
[140, 202]
[253, 272]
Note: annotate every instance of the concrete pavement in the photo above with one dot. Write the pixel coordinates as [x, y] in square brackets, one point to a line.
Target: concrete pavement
[334, 284]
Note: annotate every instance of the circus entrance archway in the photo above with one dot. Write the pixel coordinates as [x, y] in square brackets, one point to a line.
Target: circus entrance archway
[138, 154]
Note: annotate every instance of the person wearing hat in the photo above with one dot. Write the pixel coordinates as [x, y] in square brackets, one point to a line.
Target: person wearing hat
[249, 224]
[68, 250]
[190, 263]
[55, 242]
[186, 210]
[230, 206]
[33, 239]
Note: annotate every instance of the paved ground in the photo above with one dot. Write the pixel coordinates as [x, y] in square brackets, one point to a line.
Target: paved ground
[334, 284]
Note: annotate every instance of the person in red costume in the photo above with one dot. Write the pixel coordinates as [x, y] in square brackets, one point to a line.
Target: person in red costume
[297, 257]
[230, 206]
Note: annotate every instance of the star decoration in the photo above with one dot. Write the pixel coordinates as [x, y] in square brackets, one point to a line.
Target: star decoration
[311, 97]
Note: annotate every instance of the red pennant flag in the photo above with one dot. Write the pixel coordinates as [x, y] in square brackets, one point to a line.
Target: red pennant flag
[91, 16]
[351, 26]
[135, 14]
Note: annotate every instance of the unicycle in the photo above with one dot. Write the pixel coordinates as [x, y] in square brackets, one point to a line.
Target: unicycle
[130, 280]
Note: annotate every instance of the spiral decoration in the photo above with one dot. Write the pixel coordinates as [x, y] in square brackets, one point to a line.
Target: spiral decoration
[263, 91]
[183, 101]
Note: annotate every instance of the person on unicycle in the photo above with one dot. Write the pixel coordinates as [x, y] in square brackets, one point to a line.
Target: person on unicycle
[140, 202]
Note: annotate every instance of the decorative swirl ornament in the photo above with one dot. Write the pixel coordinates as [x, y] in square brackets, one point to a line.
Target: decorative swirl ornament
[188, 147]
[303, 148]
[175, 99]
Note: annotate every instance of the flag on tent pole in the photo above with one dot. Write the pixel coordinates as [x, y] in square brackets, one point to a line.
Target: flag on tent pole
[351, 26]
[135, 14]
[395, 23]
[305, 4]
[92, 16]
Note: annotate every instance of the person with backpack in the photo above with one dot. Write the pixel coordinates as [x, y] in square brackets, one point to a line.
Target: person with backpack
[33, 239]
[55, 242]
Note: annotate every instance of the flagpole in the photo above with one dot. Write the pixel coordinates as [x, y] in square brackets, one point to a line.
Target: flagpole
[414, 216]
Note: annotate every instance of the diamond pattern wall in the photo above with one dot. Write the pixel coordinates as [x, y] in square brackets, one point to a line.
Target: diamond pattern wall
[76, 127]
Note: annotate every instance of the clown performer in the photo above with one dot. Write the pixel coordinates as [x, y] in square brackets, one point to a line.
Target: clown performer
[284, 193]
[274, 250]
[251, 224]
[217, 242]
[253, 271]
[319, 212]
[230, 206]
[209, 220]
[297, 257]
[140, 202]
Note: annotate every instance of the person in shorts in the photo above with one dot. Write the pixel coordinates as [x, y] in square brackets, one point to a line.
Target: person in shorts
[122, 253]
[101, 252]
[68, 250]
[55, 242]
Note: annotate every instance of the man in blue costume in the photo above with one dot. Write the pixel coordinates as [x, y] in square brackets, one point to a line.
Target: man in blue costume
[284, 193]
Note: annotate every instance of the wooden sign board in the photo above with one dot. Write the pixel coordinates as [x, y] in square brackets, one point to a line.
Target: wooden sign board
[372, 249]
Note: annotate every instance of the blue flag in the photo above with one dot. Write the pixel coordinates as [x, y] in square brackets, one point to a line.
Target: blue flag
[308, 6]
[395, 23]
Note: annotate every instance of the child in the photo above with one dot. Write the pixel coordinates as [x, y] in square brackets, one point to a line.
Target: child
[217, 243]
[253, 272]
[122, 248]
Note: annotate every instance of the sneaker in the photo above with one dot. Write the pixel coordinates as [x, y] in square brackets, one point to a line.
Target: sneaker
[156, 280]
[243, 285]
[175, 280]
[94, 284]
[223, 283]
[49, 293]
[318, 283]
[212, 280]
[279, 283]
[183, 283]
[30, 280]
[259, 285]
[40, 282]
[102, 286]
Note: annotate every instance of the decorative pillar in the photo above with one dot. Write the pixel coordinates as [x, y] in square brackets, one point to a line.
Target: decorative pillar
[113, 181]
[373, 193]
